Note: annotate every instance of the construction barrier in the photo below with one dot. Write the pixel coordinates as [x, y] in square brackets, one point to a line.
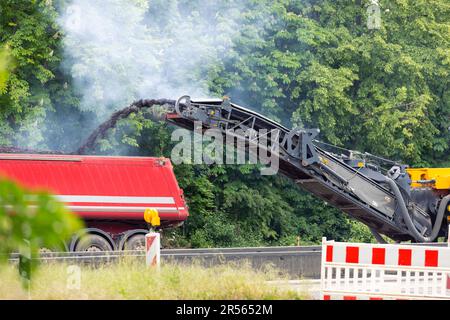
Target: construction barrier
[357, 271]
[152, 249]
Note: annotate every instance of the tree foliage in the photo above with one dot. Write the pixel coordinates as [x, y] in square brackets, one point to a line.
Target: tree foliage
[382, 91]
[29, 30]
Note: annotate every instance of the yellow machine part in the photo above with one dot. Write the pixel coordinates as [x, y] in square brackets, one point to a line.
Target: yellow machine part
[441, 176]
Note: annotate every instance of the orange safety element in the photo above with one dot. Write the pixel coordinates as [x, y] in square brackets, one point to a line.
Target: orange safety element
[151, 216]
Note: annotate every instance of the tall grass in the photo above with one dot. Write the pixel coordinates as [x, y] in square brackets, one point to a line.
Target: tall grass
[130, 279]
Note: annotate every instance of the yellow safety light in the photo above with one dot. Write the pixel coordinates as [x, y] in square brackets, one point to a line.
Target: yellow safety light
[151, 216]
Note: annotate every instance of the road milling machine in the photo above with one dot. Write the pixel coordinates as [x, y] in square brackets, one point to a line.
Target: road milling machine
[402, 203]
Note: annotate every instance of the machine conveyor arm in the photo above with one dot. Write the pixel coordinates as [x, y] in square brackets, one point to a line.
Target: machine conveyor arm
[360, 191]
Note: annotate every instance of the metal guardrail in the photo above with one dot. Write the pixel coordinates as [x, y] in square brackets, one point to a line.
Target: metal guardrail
[296, 262]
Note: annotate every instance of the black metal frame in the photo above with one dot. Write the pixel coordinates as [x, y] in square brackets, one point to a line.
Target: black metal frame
[300, 159]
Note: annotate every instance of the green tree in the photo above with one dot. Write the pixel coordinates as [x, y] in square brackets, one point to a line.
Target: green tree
[316, 64]
[28, 29]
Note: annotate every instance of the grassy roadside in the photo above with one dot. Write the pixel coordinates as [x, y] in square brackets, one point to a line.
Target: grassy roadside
[130, 279]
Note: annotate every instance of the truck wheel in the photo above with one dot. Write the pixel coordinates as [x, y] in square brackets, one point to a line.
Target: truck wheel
[136, 242]
[93, 243]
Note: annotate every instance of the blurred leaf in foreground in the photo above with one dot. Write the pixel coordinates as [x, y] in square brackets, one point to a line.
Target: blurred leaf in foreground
[30, 220]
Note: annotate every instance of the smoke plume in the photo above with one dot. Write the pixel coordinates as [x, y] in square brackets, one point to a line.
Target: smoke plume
[118, 51]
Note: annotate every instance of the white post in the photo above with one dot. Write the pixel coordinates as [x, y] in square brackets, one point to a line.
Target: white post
[447, 281]
[322, 267]
[448, 234]
[152, 249]
[447, 276]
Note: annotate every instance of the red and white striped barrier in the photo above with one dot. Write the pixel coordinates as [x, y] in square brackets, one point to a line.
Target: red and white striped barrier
[353, 271]
[152, 249]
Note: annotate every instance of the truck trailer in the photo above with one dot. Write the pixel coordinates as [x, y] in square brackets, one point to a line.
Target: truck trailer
[109, 193]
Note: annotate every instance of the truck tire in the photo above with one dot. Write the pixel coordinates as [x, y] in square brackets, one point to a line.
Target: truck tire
[93, 243]
[136, 242]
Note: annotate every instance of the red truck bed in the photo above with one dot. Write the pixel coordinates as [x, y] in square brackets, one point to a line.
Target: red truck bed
[102, 188]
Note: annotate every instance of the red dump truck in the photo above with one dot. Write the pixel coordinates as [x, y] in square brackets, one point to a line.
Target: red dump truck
[109, 193]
